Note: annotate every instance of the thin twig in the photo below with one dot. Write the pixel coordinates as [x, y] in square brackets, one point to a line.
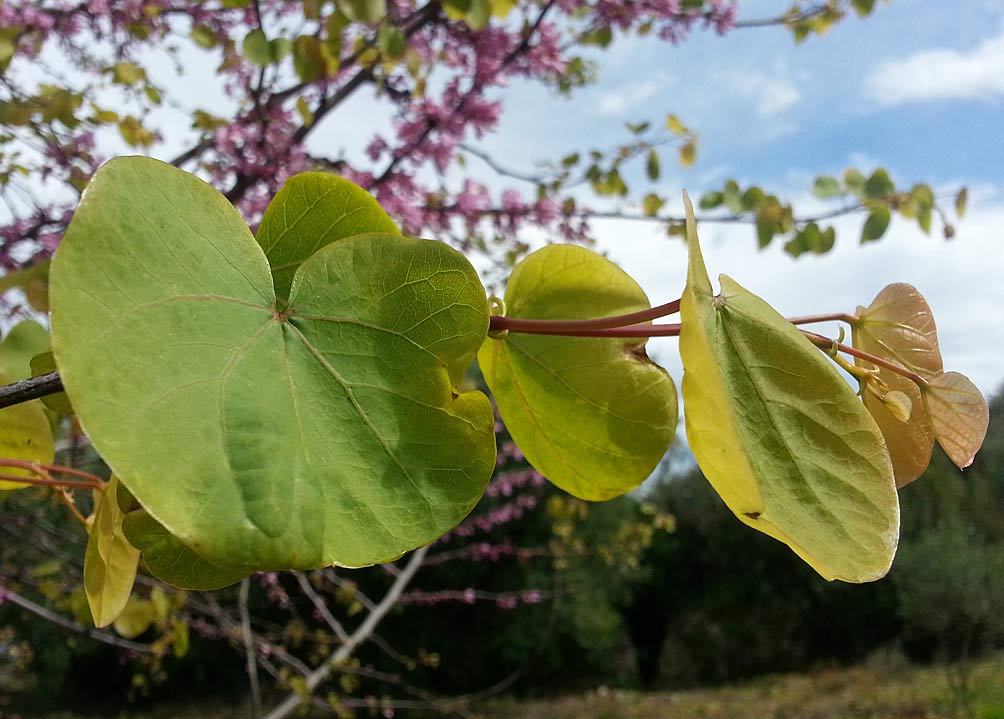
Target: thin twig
[321, 607]
[59, 620]
[250, 655]
[317, 677]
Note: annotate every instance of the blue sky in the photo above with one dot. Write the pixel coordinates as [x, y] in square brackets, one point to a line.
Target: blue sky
[917, 88]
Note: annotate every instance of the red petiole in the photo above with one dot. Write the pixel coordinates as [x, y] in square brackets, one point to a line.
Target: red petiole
[628, 326]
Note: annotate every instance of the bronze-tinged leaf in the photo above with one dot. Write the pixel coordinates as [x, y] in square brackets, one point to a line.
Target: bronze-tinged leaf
[898, 325]
[959, 415]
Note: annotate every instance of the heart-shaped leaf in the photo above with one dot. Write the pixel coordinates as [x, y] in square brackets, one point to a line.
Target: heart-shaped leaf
[593, 415]
[959, 415]
[311, 211]
[110, 560]
[25, 435]
[779, 434]
[898, 326]
[266, 436]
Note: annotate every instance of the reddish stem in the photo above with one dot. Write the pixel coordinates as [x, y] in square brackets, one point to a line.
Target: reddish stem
[579, 327]
[827, 343]
[812, 319]
[606, 328]
[612, 332]
[43, 475]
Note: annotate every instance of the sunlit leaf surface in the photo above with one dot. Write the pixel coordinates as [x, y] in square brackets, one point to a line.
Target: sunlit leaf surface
[593, 415]
[780, 435]
[264, 436]
[311, 211]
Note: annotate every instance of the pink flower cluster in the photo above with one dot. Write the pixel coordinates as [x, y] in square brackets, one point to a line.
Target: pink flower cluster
[461, 71]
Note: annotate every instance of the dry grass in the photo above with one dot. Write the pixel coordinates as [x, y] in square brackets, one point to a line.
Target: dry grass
[857, 693]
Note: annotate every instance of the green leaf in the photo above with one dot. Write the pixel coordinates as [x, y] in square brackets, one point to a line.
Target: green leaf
[711, 200]
[961, 202]
[959, 415]
[308, 59]
[674, 125]
[135, 618]
[170, 561]
[25, 340]
[127, 73]
[601, 37]
[863, 7]
[203, 36]
[898, 326]
[879, 185]
[651, 204]
[256, 47]
[25, 434]
[826, 187]
[43, 363]
[593, 415]
[311, 211]
[110, 561]
[391, 41]
[652, 165]
[876, 224]
[366, 11]
[779, 434]
[479, 14]
[306, 114]
[688, 154]
[262, 436]
[854, 181]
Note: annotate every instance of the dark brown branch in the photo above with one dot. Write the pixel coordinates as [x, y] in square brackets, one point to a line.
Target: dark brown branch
[29, 389]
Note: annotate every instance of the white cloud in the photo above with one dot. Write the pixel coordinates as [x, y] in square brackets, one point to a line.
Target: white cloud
[940, 74]
[618, 102]
[771, 94]
[774, 96]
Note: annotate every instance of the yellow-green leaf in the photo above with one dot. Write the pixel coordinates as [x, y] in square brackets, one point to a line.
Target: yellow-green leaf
[110, 561]
[25, 340]
[779, 434]
[25, 435]
[43, 363]
[961, 202]
[594, 415]
[136, 618]
[674, 125]
[898, 326]
[688, 153]
[959, 415]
